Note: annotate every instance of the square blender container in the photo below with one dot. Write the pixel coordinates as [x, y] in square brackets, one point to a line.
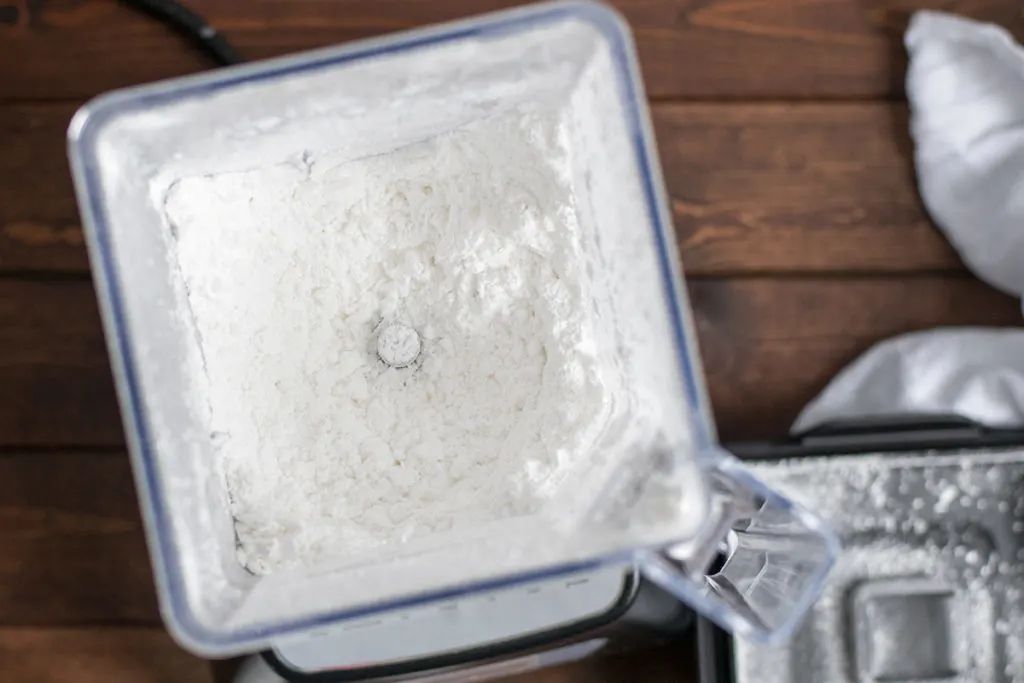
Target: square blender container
[657, 493]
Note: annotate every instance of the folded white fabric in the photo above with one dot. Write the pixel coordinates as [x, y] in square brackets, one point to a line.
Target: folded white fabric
[976, 373]
[965, 84]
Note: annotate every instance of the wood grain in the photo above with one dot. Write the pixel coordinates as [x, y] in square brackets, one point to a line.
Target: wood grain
[55, 382]
[779, 188]
[755, 188]
[39, 226]
[688, 48]
[122, 655]
[72, 550]
[769, 345]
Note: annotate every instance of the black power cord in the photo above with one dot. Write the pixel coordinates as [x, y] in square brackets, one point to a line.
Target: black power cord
[192, 26]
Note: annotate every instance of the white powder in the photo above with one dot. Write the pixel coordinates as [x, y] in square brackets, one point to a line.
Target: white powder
[293, 272]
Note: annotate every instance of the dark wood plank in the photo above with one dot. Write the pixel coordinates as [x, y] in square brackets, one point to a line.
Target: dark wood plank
[780, 188]
[755, 188]
[689, 48]
[769, 345]
[55, 382]
[39, 227]
[119, 655]
[72, 550]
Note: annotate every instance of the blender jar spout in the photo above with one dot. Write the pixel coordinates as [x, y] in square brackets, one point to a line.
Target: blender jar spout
[760, 562]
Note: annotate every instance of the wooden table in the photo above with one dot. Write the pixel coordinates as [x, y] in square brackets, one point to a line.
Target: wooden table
[783, 135]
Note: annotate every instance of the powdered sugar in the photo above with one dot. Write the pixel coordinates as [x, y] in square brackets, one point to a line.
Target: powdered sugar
[293, 271]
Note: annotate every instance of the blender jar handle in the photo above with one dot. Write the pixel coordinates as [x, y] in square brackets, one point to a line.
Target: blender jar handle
[759, 562]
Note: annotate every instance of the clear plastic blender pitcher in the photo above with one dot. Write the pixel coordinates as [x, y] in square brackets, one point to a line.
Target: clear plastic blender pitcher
[657, 493]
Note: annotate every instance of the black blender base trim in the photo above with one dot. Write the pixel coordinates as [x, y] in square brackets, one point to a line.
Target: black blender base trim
[883, 434]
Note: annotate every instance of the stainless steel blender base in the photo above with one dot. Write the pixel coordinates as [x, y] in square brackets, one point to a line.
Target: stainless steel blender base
[929, 584]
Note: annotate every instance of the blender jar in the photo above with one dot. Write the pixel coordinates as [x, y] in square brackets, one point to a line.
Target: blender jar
[654, 491]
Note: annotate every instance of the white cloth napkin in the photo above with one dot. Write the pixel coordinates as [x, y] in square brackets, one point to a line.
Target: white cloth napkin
[965, 84]
[971, 372]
